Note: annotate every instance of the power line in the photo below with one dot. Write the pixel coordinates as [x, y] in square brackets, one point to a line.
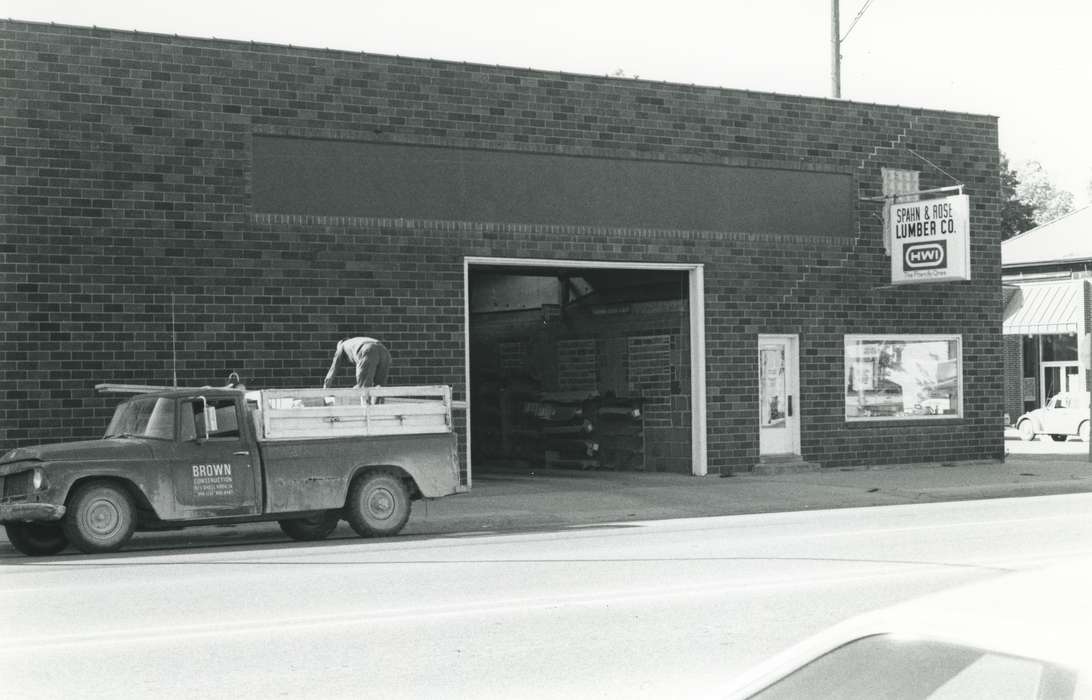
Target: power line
[860, 13]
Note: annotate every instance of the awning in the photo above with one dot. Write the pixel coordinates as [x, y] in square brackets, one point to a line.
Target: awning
[1043, 309]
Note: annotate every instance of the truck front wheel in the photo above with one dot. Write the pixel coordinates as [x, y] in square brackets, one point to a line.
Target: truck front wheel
[100, 518]
[317, 527]
[378, 506]
[36, 539]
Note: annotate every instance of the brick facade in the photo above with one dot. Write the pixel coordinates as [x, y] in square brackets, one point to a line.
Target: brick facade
[126, 177]
[1014, 372]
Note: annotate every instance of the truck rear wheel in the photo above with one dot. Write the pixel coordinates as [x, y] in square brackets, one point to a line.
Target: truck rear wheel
[100, 518]
[316, 527]
[36, 539]
[378, 506]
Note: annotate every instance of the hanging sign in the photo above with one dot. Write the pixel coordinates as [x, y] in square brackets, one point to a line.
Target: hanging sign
[930, 240]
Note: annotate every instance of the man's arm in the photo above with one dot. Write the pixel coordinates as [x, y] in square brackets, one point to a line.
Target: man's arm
[333, 367]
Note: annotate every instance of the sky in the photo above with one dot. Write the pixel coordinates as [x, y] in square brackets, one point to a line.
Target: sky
[1030, 64]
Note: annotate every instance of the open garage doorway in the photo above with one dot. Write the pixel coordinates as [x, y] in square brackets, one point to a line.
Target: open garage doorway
[585, 365]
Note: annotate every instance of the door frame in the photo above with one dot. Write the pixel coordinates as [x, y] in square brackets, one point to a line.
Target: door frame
[792, 379]
[1061, 365]
[699, 449]
[181, 451]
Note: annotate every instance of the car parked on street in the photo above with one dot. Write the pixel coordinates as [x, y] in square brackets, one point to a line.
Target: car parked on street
[1064, 415]
[1023, 635]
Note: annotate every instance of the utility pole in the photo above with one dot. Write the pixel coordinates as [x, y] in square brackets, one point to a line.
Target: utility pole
[835, 53]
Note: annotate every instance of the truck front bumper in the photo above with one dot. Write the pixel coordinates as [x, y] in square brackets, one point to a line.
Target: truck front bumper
[34, 512]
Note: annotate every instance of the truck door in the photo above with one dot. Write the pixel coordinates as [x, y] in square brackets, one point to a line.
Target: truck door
[212, 471]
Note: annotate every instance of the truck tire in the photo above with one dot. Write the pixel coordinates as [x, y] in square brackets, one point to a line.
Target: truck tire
[378, 505]
[36, 539]
[316, 527]
[100, 517]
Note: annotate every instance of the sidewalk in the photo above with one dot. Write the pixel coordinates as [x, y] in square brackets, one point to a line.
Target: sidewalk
[524, 499]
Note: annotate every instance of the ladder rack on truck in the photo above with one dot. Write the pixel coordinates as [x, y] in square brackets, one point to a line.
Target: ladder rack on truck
[303, 414]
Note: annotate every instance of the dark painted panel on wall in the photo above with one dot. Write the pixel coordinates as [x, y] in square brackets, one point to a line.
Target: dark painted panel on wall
[352, 178]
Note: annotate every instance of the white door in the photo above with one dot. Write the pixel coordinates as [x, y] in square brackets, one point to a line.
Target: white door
[778, 415]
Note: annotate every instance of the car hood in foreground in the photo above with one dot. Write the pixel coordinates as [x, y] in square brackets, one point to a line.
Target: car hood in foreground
[1041, 614]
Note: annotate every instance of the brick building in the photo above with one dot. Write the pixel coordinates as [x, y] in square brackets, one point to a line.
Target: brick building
[179, 208]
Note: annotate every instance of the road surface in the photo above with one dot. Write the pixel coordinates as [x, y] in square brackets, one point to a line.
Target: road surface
[656, 609]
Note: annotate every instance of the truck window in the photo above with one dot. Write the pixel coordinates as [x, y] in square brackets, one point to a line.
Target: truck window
[225, 424]
[143, 417]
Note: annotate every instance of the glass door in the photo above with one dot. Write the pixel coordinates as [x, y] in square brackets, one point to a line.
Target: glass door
[1058, 377]
[779, 431]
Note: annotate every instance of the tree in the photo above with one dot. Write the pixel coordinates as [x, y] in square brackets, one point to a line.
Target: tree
[1017, 215]
[1035, 188]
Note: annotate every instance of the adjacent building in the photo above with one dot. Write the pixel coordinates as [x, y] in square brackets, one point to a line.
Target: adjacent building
[611, 273]
[1047, 273]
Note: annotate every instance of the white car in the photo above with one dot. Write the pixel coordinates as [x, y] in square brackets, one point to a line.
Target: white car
[1025, 635]
[1064, 415]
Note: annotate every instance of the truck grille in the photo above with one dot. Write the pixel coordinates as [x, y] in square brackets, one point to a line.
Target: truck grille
[18, 484]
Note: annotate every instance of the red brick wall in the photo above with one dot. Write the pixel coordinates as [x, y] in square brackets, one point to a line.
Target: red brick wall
[126, 168]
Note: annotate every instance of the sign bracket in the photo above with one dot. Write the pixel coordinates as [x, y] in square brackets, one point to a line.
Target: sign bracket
[910, 196]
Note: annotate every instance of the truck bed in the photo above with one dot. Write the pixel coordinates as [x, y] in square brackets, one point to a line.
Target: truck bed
[308, 475]
[312, 414]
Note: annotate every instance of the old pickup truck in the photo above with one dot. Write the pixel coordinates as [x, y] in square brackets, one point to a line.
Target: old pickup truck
[306, 458]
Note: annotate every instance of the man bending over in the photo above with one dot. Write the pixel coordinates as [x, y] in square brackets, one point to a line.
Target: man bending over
[372, 361]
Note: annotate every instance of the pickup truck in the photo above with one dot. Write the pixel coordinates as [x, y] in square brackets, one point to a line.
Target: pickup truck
[306, 458]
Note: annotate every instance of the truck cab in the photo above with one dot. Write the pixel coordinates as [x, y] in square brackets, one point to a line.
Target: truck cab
[305, 458]
[204, 455]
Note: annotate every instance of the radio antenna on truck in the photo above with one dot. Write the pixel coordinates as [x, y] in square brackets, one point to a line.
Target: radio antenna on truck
[174, 351]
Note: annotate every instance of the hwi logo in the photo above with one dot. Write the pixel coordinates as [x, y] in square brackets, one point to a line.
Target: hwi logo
[924, 256]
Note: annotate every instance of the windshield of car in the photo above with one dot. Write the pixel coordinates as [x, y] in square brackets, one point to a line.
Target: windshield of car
[898, 668]
[143, 417]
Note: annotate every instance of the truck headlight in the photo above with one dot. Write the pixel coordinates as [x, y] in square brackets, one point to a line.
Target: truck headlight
[38, 479]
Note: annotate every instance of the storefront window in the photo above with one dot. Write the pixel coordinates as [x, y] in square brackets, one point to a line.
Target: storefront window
[1059, 348]
[900, 377]
[1031, 356]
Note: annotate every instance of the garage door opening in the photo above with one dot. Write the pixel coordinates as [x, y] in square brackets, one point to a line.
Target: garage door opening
[584, 366]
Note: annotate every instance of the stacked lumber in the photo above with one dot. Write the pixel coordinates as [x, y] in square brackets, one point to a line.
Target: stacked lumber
[586, 432]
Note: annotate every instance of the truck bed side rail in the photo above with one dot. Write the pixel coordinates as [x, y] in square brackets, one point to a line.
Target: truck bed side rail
[295, 414]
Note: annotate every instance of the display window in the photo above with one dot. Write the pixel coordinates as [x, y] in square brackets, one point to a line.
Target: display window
[903, 377]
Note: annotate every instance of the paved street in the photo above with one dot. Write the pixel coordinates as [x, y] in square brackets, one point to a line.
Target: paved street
[641, 609]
